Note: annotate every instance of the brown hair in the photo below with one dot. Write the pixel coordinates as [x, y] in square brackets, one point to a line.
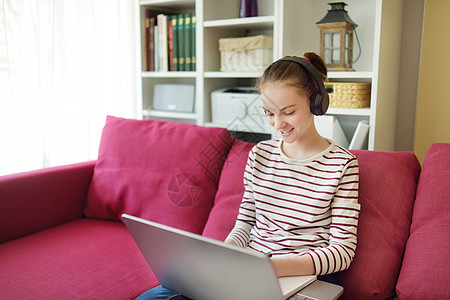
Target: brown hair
[291, 74]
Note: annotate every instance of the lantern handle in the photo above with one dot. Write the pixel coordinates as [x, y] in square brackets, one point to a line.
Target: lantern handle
[359, 45]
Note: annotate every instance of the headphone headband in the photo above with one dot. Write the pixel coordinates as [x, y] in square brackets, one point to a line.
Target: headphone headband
[319, 99]
[308, 66]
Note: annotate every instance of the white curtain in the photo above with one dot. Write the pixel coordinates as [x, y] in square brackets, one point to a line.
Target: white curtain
[64, 66]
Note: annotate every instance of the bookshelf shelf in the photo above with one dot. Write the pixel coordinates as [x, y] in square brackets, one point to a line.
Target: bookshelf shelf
[349, 111]
[367, 76]
[168, 3]
[168, 115]
[172, 74]
[231, 75]
[263, 22]
[291, 23]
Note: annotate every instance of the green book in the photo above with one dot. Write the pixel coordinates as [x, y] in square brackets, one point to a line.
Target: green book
[193, 43]
[180, 43]
[175, 43]
[187, 42]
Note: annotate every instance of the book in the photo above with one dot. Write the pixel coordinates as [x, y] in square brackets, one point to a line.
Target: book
[180, 43]
[170, 42]
[149, 23]
[156, 48]
[187, 42]
[151, 55]
[147, 40]
[359, 139]
[175, 42]
[193, 43]
[163, 48]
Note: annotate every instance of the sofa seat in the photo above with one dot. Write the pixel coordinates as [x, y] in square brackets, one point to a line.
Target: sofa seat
[101, 255]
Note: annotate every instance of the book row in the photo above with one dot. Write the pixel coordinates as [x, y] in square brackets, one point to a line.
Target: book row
[169, 42]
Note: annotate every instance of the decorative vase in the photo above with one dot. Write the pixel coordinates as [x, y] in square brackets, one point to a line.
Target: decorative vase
[248, 8]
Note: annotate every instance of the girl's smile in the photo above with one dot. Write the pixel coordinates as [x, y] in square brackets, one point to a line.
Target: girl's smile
[286, 132]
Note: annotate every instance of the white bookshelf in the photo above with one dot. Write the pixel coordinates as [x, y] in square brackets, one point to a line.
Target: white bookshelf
[291, 23]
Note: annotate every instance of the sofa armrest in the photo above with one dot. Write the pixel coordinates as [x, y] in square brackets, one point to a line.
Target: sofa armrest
[36, 200]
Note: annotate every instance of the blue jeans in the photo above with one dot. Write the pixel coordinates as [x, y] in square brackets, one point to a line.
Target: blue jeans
[161, 293]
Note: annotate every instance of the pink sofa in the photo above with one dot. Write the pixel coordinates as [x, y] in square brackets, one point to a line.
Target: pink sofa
[61, 235]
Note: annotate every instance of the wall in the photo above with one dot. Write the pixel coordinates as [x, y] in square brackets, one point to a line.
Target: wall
[412, 26]
[433, 103]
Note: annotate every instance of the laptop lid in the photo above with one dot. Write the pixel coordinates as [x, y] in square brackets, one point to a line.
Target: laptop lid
[204, 268]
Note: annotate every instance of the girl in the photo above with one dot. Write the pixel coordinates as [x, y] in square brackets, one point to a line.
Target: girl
[300, 203]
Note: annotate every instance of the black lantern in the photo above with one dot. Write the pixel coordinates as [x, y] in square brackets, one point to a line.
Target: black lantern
[336, 38]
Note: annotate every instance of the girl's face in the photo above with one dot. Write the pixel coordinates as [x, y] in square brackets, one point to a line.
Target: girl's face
[288, 112]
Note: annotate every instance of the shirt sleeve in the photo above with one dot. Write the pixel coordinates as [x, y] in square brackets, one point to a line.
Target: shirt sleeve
[345, 208]
[246, 219]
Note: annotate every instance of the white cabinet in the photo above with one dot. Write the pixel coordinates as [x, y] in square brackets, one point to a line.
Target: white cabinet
[291, 23]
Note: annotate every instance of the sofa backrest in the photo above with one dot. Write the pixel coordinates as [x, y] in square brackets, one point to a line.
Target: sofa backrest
[426, 265]
[387, 188]
[229, 193]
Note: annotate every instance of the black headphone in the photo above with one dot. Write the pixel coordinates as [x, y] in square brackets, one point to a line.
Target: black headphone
[319, 98]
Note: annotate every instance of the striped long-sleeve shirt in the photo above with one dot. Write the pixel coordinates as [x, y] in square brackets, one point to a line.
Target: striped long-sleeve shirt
[293, 207]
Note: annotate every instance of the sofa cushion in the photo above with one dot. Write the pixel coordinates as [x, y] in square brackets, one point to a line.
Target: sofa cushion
[229, 193]
[388, 182]
[165, 172]
[83, 259]
[425, 268]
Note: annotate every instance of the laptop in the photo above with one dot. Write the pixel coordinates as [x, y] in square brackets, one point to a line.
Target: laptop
[206, 269]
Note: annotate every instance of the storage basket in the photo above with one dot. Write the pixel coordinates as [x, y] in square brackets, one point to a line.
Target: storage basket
[350, 94]
[245, 54]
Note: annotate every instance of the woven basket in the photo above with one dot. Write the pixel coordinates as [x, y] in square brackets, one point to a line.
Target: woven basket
[350, 94]
[245, 54]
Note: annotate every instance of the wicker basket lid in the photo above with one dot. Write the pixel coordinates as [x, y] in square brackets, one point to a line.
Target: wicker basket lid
[246, 43]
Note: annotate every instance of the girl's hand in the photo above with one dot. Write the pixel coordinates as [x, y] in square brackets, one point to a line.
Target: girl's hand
[230, 242]
[292, 265]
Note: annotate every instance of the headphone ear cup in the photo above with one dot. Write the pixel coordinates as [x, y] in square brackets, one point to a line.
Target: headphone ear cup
[316, 106]
[319, 102]
[325, 101]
